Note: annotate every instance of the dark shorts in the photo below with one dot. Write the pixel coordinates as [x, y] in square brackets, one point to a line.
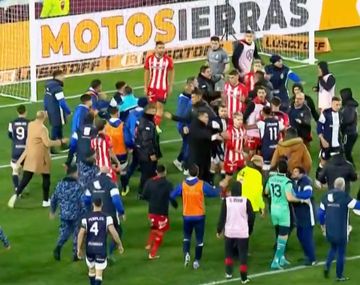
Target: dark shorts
[99, 261]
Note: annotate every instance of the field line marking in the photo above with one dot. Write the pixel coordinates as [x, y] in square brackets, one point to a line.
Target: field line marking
[268, 273]
[64, 156]
[176, 83]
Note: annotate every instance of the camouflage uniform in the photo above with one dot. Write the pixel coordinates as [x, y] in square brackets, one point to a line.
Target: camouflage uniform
[68, 195]
[87, 172]
[3, 238]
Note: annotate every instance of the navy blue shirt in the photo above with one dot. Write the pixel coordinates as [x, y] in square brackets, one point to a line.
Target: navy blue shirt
[96, 225]
[81, 141]
[329, 126]
[18, 135]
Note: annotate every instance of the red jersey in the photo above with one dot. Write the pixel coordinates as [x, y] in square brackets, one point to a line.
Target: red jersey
[235, 97]
[101, 144]
[249, 80]
[159, 70]
[282, 117]
[234, 158]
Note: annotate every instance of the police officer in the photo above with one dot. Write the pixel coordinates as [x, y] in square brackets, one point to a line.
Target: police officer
[55, 104]
[333, 215]
[95, 227]
[304, 213]
[104, 188]
[147, 145]
[67, 195]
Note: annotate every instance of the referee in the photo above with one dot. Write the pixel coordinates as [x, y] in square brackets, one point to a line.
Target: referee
[333, 215]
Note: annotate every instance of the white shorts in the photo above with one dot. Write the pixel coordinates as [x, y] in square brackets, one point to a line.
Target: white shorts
[96, 262]
[15, 168]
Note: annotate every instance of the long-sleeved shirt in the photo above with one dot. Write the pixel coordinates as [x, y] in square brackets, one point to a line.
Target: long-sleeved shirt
[68, 195]
[193, 191]
[79, 117]
[183, 108]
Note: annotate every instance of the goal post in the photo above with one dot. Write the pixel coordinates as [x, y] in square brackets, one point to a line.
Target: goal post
[82, 37]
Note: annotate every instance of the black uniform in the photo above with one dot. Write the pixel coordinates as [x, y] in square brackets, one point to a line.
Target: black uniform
[200, 146]
[96, 225]
[146, 145]
[18, 135]
[208, 87]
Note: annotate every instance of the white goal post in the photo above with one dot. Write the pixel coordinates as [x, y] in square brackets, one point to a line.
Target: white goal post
[81, 37]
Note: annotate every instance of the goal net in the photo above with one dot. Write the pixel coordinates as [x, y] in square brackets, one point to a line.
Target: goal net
[94, 36]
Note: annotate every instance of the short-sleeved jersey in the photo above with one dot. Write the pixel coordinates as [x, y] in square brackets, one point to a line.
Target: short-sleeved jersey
[270, 129]
[96, 225]
[278, 185]
[101, 144]
[217, 60]
[18, 134]
[235, 97]
[83, 136]
[159, 70]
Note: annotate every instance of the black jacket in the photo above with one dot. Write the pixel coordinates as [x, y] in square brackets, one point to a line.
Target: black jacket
[304, 115]
[310, 103]
[157, 192]
[208, 87]
[336, 167]
[199, 143]
[349, 112]
[146, 139]
[201, 106]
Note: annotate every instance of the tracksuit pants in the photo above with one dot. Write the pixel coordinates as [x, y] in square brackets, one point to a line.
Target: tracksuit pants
[339, 249]
[236, 247]
[56, 132]
[306, 239]
[184, 151]
[349, 142]
[198, 226]
[66, 229]
[148, 170]
[27, 176]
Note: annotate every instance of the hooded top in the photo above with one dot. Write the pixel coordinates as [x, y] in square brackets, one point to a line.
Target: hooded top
[295, 151]
[349, 112]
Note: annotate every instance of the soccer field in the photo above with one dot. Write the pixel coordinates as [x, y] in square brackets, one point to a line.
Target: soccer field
[33, 235]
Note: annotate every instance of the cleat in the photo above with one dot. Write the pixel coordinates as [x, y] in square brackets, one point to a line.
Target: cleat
[326, 273]
[187, 260]
[76, 258]
[12, 201]
[276, 266]
[46, 204]
[158, 130]
[186, 172]
[126, 191]
[153, 257]
[196, 265]
[178, 165]
[246, 281]
[56, 253]
[284, 262]
[310, 263]
[228, 276]
[342, 279]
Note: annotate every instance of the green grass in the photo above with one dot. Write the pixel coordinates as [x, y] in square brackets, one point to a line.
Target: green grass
[33, 236]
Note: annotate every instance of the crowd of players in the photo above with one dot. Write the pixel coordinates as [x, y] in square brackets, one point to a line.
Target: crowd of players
[239, 122]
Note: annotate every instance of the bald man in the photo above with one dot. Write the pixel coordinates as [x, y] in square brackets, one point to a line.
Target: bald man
[36, 157]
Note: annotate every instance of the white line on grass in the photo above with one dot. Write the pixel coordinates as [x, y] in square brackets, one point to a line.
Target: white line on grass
[64, 156]
[268, 273]
[176, 83]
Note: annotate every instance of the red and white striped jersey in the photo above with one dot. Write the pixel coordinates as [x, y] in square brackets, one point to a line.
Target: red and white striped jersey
[283, 118]
[101, 144]
[159, 70]
[249, 80]
[235, 97]
[234, 145]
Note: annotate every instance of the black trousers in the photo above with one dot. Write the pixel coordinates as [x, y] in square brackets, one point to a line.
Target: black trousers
[204, 170]
[349, 142]
[237, 246]
[27, 176]
[148, 170]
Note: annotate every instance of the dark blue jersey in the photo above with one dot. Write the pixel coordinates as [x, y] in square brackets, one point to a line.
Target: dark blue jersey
[96, 225]
[102, 187]
[80, 142]
[18, 135]
[270, 134]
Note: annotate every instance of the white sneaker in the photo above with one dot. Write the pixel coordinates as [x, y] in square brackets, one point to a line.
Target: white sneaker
[46, 204]
[245, 281]
[178, 165]
[196, 265]
[158, 130]
[228, 276]
[187, 259]
[12, 201]
[186, 172]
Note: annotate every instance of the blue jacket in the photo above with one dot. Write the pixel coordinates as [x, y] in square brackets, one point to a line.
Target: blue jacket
[184, 107]
[54, 103]
[128, 102]
[279, 78]
[68, 195]
[87, 172]
[334, 214]
[304, 213]
[130, 126]
[79, 116]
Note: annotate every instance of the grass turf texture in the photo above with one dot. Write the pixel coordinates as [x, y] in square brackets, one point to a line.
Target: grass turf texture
[33, 236]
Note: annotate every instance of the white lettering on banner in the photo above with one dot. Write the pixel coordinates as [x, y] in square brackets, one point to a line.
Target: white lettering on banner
[117, 32]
